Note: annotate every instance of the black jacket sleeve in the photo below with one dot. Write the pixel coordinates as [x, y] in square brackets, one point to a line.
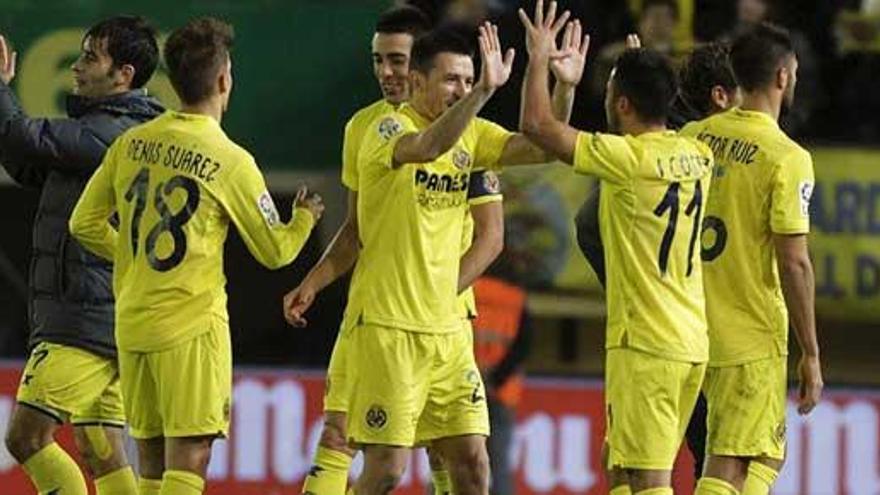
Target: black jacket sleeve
[29, 148]
[516, 354]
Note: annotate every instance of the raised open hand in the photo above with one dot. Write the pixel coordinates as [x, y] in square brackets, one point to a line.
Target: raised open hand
[541, 34]
[7, 61]
[495, 69]
[569, 61]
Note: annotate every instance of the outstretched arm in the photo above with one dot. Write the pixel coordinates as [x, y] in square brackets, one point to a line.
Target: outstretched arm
[537, 120]
[338, 259]
[442, 134]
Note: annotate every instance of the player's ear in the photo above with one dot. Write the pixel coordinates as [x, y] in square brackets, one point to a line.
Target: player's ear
[783, 74]
[623, 105]
[720, 98]
[416, 81]
[124, 75]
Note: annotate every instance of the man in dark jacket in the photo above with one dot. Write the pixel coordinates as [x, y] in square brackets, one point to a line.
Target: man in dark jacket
[72, 372]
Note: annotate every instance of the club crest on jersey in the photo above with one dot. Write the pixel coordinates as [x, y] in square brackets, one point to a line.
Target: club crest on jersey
[461, 158]
[376, 417]
[389, 127]
[491, 183]
[267, 209]
[805, 190]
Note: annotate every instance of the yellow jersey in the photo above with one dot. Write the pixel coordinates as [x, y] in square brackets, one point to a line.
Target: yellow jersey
[762, 186]
[406, 276]
[175, 184]
[654, 189]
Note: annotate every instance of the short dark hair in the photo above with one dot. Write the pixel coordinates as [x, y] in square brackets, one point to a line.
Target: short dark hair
[647, 80]
[444, 39]
[758, 53]
[670, 4]
[706, 67]
[131, 40]
[195, 54]
[405, 19]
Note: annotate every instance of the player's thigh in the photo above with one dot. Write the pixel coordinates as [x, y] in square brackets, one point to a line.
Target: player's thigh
[194, 384]
[140, 395]
[644, 409]
[465, 453]
[64, 382]
[456, 403]
[337, 387]
[747, 409]
[388, 385]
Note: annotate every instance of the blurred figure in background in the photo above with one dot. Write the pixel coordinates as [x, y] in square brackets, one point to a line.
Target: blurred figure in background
[502, 338]
[656, 26]
[750, 14]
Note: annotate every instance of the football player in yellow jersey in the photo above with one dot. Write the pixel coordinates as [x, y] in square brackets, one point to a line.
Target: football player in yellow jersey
[757, 270]
[654, 184]
[175, 184]
[395, 31]
[416, 377]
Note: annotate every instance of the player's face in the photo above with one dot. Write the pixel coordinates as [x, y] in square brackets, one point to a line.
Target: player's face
[450, 80]
[791, 66]
[391, 65]
[93, 73]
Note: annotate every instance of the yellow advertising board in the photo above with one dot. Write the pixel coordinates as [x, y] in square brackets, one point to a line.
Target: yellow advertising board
[541, 203]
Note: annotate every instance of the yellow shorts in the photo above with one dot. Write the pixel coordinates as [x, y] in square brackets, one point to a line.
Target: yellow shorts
[72, 384]
[747, 409]
[648, 404]
[183, 391]
[336, 388]
[408, 388]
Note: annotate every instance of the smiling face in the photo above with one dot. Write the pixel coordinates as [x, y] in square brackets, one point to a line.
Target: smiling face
[450, 79]
[391, 53]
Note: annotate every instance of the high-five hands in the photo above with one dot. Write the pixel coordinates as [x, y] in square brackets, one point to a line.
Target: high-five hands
[495, 69]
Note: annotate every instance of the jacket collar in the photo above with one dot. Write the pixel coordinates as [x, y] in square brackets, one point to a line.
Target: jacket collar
[134, 101]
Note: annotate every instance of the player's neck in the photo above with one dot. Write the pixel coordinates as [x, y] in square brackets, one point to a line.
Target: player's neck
[636, 128]
[761, 102]
[211, 107]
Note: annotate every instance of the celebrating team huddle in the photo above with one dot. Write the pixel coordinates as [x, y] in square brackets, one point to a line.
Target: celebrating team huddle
[699, 237]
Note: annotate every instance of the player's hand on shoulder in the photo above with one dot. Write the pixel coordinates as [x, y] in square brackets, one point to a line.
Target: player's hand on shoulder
[810, 388]
[311, 202]
[7, 61]
[296, 303]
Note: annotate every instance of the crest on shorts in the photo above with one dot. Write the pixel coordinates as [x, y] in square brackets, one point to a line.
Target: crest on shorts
[805, 191]
[376, 417]
[461, 158]
[389, 127]
[780, 432]
[491, 183]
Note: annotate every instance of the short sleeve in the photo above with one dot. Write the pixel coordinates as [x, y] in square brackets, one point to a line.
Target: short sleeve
[491, 140]
[484, 187]
[607, 156]
[381, 136]
[792, 189]
[350, 145]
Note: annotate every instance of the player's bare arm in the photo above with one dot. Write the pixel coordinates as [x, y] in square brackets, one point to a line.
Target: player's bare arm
[443, 133]
[799, 289]
[537, 120]
[339, 257]
[487, 245]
